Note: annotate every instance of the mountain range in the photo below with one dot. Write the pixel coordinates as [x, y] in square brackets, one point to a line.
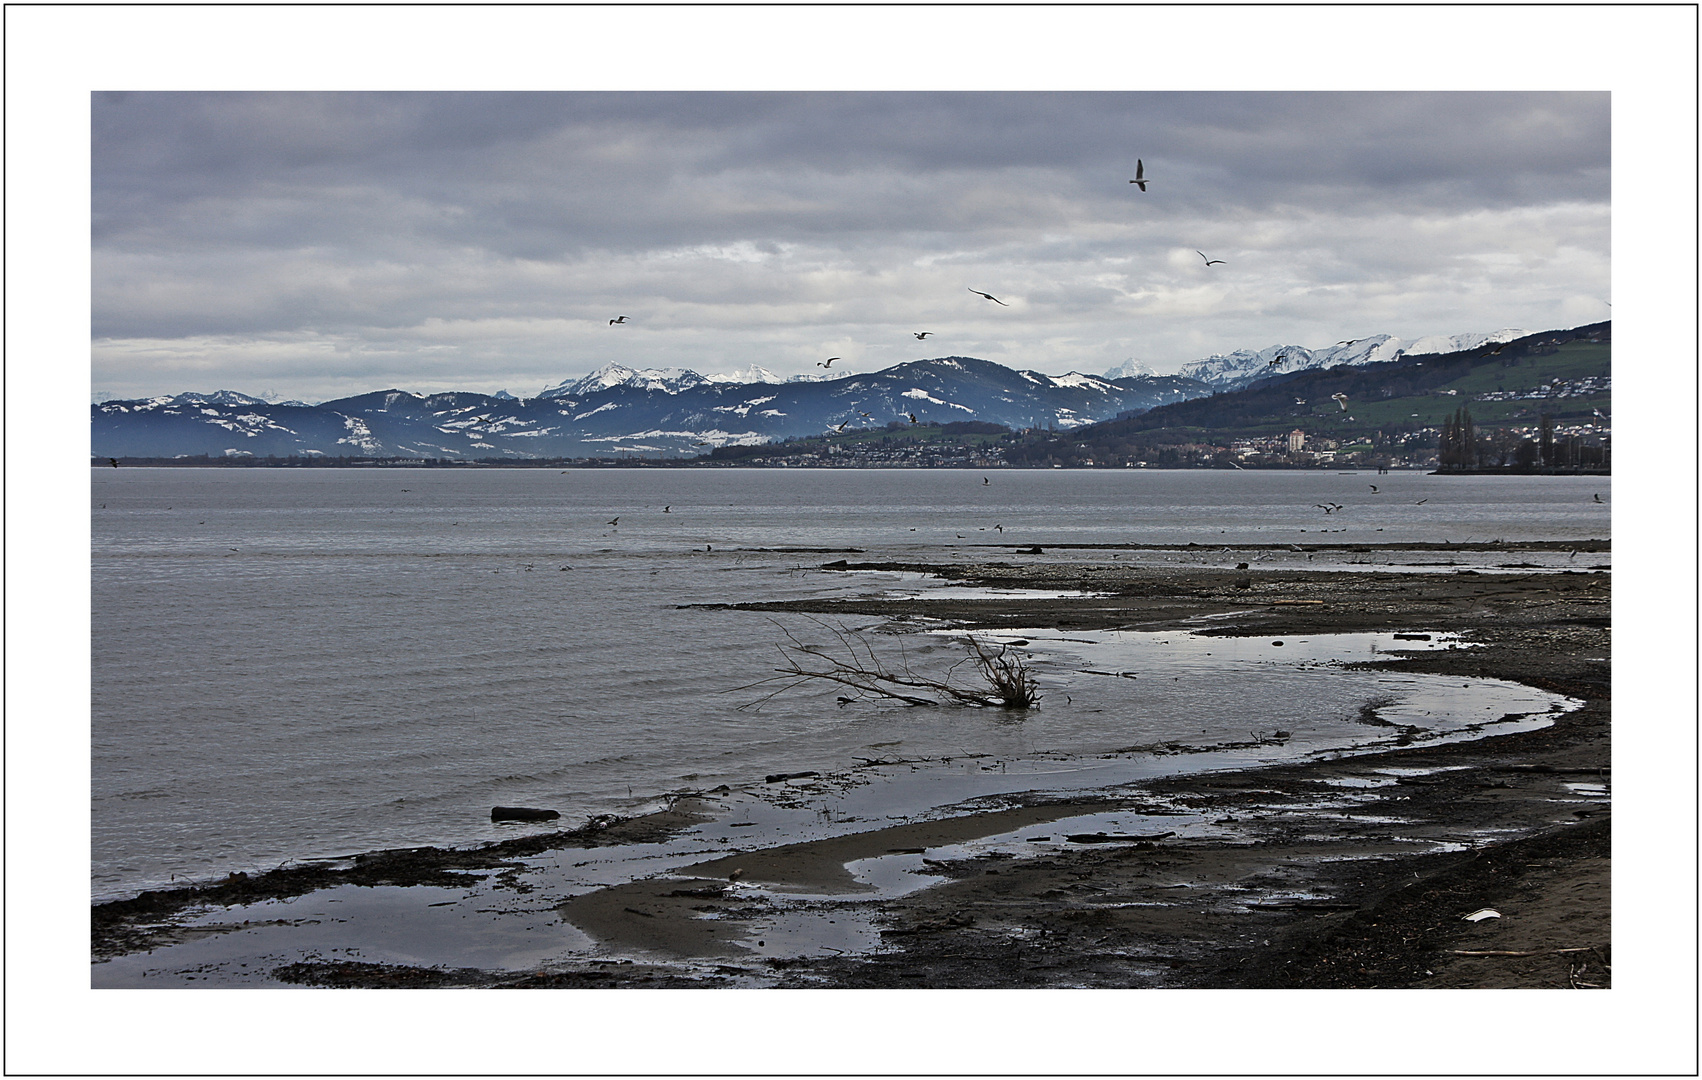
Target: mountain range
[619, 411]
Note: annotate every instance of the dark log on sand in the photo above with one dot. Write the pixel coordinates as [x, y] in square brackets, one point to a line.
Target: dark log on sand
[522, 813]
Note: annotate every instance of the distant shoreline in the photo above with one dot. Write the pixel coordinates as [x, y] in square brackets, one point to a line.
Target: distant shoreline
[204, 462]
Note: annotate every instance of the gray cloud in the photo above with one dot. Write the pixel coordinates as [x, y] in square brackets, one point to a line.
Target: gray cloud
[326, 242]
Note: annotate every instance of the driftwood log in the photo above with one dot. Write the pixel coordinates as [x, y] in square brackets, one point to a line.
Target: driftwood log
[522, 813]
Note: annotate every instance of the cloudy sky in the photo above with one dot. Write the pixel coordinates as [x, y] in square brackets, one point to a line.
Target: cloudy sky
[313, 245]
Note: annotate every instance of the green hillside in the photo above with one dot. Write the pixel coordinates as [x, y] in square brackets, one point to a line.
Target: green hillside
[1415, 391]
[1572, 365]
[1394, 409]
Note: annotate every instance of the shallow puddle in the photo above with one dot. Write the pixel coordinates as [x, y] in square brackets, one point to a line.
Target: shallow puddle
[814, 931]
[413, 925]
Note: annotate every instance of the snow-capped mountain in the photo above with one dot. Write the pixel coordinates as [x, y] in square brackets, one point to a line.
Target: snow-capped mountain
[1449, 343]
[1244, 367]
[667, 380]
[1132, 368]
[217, 397]
[752, 374]
[620, 410]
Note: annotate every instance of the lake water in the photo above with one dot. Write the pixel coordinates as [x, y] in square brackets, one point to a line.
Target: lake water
[302, 664]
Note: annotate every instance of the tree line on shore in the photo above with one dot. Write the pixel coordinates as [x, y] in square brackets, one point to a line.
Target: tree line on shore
[1462, 449]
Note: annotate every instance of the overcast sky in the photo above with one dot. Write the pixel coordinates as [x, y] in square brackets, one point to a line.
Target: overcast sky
[316, 245]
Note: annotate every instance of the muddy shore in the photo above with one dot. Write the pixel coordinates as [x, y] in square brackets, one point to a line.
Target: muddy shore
[1312, 892]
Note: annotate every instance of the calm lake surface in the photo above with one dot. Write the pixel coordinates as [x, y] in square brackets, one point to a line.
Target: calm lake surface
[302, 664]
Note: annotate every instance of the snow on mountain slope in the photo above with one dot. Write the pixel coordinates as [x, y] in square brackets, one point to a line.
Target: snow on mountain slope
[217, 397]
[1076, 378]
[1450, 343]
[1243, 367]
[1132, 368]
[751, 375]
[667, 380]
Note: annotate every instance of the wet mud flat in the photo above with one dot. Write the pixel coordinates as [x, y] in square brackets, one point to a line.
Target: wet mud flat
[1353, 872]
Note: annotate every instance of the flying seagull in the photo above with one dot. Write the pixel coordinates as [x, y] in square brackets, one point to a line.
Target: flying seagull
[1209, 262]
[616, 521]
[990, 296]
[619, 320]
[1140, 174]
[1278, 360]
[1373, 488]
[829, 362]
[115, 465]
[1350, 341]
[923, 334]
[1340, 399]
[912, 417]
[841, 427]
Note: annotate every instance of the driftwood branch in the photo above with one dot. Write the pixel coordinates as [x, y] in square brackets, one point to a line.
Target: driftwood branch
[1003, 676]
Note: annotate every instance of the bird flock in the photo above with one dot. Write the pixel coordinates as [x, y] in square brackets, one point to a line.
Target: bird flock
[1140, 181]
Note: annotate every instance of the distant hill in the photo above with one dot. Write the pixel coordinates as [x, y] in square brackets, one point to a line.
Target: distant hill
[1564, 374]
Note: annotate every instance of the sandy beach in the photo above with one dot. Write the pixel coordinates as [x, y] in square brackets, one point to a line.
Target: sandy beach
[1356, 871]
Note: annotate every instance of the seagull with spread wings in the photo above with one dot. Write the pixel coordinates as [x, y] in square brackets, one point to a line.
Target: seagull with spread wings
[619, 320]
[989, 296]
[1209, 262]
[1140, 174]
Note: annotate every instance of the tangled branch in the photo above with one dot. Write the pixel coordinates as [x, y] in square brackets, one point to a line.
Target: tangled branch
[1006, 679]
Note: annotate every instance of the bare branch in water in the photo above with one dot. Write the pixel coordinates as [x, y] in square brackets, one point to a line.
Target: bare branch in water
[1008, 681]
